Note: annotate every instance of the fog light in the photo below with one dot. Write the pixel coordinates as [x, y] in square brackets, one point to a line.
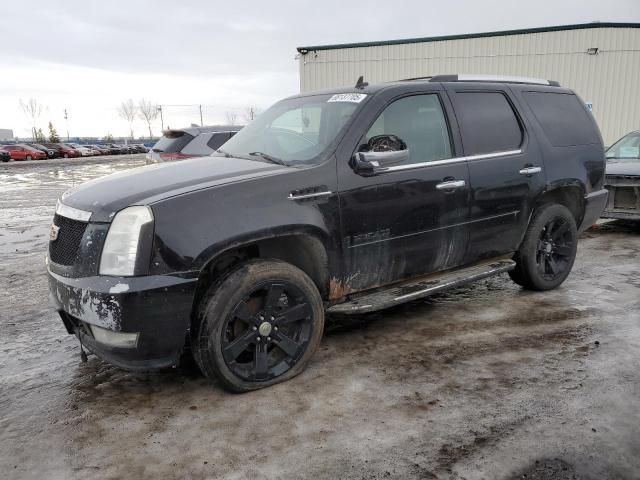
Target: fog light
[114, 339]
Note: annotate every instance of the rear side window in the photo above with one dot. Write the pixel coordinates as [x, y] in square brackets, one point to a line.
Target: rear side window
[487, 122]
[218, 140]
[564, 120]
[172, 142]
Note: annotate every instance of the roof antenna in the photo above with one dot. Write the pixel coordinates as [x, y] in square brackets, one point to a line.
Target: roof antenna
[361, 83]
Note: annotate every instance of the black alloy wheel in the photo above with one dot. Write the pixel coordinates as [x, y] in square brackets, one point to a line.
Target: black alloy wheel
[548, 250]
[267, 331]
[259, 325]
[555, 249]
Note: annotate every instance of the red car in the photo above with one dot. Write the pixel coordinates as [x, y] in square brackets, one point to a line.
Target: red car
[24, 152]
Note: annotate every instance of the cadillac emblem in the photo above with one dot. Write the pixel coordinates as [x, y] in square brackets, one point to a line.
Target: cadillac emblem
[53, 233]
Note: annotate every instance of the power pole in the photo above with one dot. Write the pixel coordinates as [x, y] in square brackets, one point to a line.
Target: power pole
[66, 121]
[201, 124]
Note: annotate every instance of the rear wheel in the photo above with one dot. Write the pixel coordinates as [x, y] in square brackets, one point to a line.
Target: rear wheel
[548, 250]
[259, 326]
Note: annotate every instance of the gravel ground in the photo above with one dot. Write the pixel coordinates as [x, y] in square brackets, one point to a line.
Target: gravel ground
[484, 382]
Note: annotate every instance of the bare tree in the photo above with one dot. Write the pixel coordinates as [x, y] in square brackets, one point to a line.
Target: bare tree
[128, 111]
[232, 118]
[250, 114]
[32, 109]
[148, 112]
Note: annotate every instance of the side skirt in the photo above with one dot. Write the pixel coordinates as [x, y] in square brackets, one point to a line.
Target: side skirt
[421, 287]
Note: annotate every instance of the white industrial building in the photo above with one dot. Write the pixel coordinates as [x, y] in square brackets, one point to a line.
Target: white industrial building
[600, 61]
[6, 134]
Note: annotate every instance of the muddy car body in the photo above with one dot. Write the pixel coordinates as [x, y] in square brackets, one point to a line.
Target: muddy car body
[328, 201]
[623, 178]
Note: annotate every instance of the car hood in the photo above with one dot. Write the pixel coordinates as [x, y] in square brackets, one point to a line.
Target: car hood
[623, 168]
[145, 185]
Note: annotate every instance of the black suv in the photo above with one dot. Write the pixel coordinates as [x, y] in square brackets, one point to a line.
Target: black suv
[345, 201]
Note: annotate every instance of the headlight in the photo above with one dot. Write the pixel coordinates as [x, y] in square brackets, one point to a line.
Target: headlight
[122, 245]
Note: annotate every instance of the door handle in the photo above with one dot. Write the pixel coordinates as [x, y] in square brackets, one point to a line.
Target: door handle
[451, 185]
[530, 170]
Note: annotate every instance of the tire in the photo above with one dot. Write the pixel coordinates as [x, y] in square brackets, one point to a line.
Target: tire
[548, 250]
[28, 157]
[248, 335]
[66, 155]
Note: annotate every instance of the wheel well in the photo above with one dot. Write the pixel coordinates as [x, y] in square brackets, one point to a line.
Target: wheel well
[303, 251]
[570, 197]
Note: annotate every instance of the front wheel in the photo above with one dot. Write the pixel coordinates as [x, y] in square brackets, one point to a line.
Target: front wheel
[259, 326]
[28, 157]
[548, 250]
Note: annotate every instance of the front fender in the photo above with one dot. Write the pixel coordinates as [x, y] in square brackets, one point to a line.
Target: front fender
[193, 228]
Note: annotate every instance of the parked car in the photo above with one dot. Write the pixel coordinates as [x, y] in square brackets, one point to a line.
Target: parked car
[116, 149]
[129, 149]
[346, 201]
[189, 142]
[623, 178]
[4, 156]
[100, 149]
[51, 153]
[83, 149]
[140, 148]
[24, 152]
[63, 150]
[111, 149]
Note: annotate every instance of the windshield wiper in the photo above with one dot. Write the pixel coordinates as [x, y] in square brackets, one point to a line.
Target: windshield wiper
[268, 157]
[226, 154]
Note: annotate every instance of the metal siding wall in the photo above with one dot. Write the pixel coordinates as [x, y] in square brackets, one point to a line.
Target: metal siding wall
[611, 79]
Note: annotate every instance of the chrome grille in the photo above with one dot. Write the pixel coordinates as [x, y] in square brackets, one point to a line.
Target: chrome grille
[64, 250]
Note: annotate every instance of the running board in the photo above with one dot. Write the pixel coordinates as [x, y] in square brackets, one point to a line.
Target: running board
[421, 287]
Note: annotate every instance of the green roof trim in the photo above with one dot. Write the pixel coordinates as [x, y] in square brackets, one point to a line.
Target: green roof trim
[557, 28]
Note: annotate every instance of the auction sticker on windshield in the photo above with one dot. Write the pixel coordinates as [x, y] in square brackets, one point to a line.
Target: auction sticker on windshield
[348, 97]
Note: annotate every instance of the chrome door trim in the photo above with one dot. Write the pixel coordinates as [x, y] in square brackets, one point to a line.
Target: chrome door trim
[308, 195]
[530, 170]
[448, 161]
[72, 213]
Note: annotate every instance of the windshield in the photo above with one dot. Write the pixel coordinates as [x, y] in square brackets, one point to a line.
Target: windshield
[626, 149]
[296, 131]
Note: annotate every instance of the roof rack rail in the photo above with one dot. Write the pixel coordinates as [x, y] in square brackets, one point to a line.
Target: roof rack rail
[415, 78]
[493, 78]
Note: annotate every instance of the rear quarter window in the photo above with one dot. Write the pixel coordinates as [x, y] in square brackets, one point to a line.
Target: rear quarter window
[172, 142]
[564, 120]
[217, 140]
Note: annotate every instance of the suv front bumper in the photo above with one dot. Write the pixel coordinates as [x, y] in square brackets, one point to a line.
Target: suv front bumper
[156, 308]
[594, 204]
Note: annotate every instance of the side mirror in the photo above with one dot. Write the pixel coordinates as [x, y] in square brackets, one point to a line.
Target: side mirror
[374, 163]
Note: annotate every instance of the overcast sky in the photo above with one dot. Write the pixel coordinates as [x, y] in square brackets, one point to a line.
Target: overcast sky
[87, 56]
